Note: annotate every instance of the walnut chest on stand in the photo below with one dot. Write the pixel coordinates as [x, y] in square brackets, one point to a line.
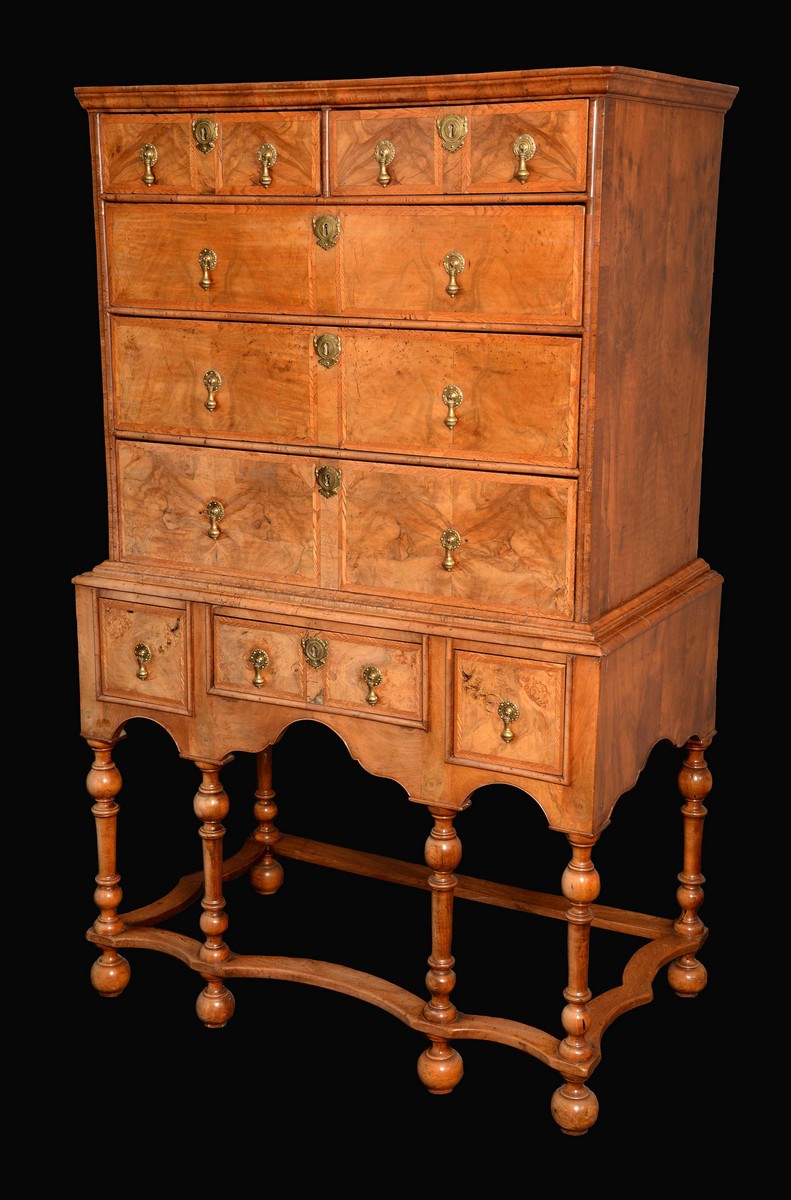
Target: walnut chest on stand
[404, 389]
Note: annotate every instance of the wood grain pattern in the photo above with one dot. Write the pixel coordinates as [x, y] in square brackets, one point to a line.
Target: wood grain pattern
[232, 167]
[265, 261]
[485, 161]
[335, 685]
[520, 395]
[523, 264]
[517, 536]
[268, 374]
[481, 683]
[270, 527]
[165, 631]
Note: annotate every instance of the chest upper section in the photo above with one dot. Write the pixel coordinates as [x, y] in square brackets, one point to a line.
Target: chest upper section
[460, 149]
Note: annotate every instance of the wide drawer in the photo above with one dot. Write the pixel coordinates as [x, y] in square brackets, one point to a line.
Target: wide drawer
[468, 148]
[255, 154]
[427, 533]
[509, 711]
[326, 667]
[466, 263]
[483, 397]
[144, 653]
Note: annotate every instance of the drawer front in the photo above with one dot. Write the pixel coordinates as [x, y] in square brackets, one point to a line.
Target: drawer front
[509, 713]
[206, 378]
[458, 150]
[265, 258]
[483, 397]
[516, 536]
[380, 532]
[519, 265]
[265, 154]
[144, 653]
[269, 526]
[380, 676]
[486, 397]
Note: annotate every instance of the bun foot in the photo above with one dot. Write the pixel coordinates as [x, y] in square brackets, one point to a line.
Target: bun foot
[266, 876]
[110, 974]
[215, 1005]
[687, 977]
[440, 1068]
[575, 1108]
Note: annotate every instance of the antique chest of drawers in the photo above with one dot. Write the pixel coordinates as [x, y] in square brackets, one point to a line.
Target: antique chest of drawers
[404, 387]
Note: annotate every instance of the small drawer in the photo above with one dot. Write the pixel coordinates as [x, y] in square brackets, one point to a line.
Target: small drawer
[462, 149]
[510, 712]
[328, 667]
[255, 154]
[144, 653]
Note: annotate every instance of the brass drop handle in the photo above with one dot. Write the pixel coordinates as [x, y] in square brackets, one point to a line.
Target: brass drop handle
[212, 382]
[451, 540]
[454, 264]
[215, 512]
[143, 656]
[259, 661]
[508, 712]
[208, 260]
[267, 156]
[149, 157]
[384, 153]
[452, 397]
[372, 677]
[524, 148]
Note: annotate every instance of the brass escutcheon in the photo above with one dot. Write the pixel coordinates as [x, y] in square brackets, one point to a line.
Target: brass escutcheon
[215, 512]
[259, 661]
[315, 650]
[149, 157]
[524, 148]
[328, 480]
[451, 540]
[452, 131]
[143, 656]
[507, 711]
[384, 154]
[205, 131]
[328, 348]
[267, 156]
[212, 382]
[372, 677]
[327, 230]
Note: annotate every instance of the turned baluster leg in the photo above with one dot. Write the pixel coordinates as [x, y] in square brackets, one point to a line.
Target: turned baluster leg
[574, 1105]
[686, 975]
[266, 875]
[111, 972]
[440, 1067]
[215, 1004]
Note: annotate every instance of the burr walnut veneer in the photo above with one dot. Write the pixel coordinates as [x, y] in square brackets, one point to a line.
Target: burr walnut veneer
[404, 403]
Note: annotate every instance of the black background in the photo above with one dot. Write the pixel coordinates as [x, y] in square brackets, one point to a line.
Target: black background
[301, 1060]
